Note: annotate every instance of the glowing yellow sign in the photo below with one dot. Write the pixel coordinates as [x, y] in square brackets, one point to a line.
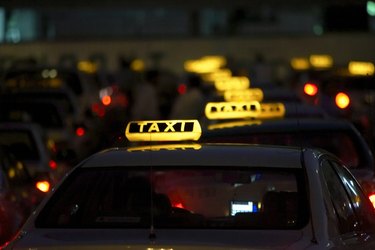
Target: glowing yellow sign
[163, 130]
[217, 75]
[87, 67]
[300, 63]
[321, 61]
[137, 65]
[246, 95]
[271, 110]
[233, 83]
[233, 124]
[232, 110]
[205, 64]
[361, 68]
[165, 147]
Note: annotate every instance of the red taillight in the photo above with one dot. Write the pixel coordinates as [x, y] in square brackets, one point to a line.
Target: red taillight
[106, 100]
[80, 131]
[181, 89]
[372, 199]
[52, 164]
[310, 89]
[342, 100]
[178, 204]
[43, 186]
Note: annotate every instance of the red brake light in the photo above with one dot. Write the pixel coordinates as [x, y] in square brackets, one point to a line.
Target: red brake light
[310, 89]
[372, 199]
[342, 100]
[52, 164]
[43, 186]
[106, 100]
[178, 205]
[181, 89]
[80, 131]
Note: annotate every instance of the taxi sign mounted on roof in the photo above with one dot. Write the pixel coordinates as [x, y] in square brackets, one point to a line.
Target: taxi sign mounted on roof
[246, 95]
[272, 110]
[232, 110]
[163, 130]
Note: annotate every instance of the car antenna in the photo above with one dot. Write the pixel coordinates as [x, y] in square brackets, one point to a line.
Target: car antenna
[303, 164]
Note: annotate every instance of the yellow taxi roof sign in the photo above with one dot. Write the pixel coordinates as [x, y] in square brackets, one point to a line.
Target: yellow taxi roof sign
[246, 95]
[361, 68]
[163, 130]
[321, 61]
[234, 82]
[232, 110]
[271, 110]
[300, 63]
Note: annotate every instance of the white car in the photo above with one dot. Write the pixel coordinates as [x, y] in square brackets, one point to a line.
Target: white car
[185, 195]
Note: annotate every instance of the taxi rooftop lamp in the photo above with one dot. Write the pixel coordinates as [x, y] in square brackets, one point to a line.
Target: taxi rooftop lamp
[137, 65]
[361, 68]
[217, 75]
[271, 110]
[206, 64]
[163, 130]
[232, 110]
[246, 95]
[87, 66]
[321, 61]
[235, 82]
[300, 63]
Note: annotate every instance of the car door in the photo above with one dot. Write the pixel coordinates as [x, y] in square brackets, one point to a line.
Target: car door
[352, 214]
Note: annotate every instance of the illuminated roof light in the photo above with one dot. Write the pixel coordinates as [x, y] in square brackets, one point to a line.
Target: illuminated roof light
[11, 173]
[137, 65]
[370, 8]
[106, 100]
[342, 100]
[310, 89]
[361, 68]
[217, 75]
[246, 95]
[299, 63]
[232, 110]
[321, 61]
[43, 186]
[163, 130]
[206, 64]
[87, 67]
[271, 110]
[233, 83]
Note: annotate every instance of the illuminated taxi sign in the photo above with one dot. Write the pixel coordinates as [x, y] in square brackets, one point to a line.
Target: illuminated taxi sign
[205, 64]
[165, 147]
[163, 130]
[232, 110]
[321, 61]
[361, 68]
[246, 95]
[300, 63]
[271, 110]
[233, 83]
[217, 75]
[87, 67]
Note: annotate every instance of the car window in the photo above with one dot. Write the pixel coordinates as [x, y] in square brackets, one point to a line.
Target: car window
[20, 143]
[361, 203]
[343, 207]
[184, 197]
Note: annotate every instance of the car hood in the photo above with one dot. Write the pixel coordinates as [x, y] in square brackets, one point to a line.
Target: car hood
[164, 239]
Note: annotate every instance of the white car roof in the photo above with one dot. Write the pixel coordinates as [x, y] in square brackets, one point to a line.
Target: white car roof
[206, 155]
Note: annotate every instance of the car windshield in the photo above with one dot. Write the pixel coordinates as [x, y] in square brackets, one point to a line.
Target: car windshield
[179, 197]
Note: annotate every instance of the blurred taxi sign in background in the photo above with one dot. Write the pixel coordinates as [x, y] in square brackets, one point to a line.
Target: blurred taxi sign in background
[361, 68]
